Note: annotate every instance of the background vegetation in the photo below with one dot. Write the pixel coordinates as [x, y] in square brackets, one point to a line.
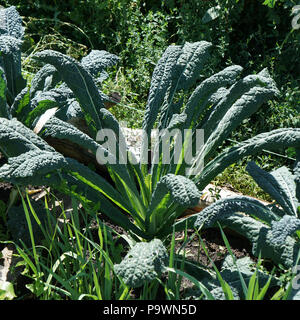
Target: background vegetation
[254, 34]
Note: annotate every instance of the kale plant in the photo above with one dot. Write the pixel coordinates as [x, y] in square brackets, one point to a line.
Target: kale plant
[144, 262]
[47, 90]
[144, 197]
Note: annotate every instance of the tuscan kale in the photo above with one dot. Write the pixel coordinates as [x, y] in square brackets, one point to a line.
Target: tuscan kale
[154, 194]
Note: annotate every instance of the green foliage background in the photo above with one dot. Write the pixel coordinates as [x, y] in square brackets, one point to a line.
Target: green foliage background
[246, 32]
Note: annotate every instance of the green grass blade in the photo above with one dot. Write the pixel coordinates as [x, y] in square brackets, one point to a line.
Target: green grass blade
[264, 289]
[251, 287]
[244, 286]
[30, 230]
[225, 287]
[279, 295]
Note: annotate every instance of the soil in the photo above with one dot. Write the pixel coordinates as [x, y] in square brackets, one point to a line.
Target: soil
[216, 248]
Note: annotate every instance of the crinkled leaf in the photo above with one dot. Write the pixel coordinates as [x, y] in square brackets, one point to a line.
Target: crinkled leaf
[70, 111]
[283, 228]
[45, 79]
[177, 69]
[80, 82]
[245, 97]
[143, 263]
[279, 184]
[162, 77]
[225, 207]
[231, 272]
[16, 139]
[200, 98]
[182, 190]
[31, 163]
[273, 242]
[11, 23]
[237, 93]
[260, 235]
[187, 71]
[191, 61]
[280, 253]
[11, 63]
[57, 128]
[98, 60]
[176, 121]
